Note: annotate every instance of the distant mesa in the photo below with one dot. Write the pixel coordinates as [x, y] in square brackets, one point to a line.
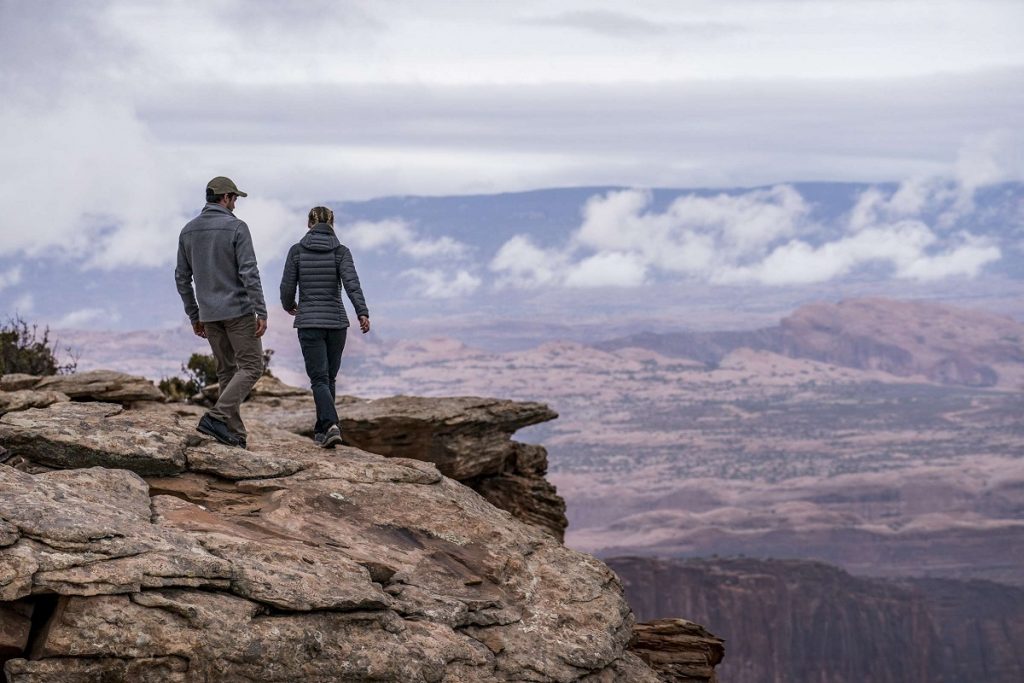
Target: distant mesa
[936, 342]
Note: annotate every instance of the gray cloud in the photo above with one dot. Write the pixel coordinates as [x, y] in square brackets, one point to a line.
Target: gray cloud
[723, 133]
[129, 107]
[622, 25]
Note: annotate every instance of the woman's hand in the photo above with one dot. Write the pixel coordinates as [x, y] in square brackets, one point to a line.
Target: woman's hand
[294, 311]
[364, 324]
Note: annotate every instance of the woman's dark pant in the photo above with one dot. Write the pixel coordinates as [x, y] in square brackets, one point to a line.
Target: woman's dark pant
[321, 349]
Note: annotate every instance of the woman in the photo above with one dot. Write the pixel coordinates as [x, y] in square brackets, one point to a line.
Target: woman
[319, 265]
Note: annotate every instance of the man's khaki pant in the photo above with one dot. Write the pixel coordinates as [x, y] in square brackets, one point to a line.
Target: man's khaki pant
[239, 354]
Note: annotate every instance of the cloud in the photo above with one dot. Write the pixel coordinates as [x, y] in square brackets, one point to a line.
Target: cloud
[522, 264]
[397, 234]
[143, 102]
[439, 284]
[87, 317]
[23, 305]
[622, 25]
[10, 277]
[274, 225]
[757, 237]
[992, 157]
[608, 269]
[621, 239]
[903, 246]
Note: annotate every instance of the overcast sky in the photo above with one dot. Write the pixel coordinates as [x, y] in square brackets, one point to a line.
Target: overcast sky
[116, 112]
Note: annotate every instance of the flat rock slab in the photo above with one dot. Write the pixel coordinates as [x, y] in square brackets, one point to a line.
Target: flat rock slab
[71, 435]
[102, 385]
[154, 440]
[23, 399]
[17, 381]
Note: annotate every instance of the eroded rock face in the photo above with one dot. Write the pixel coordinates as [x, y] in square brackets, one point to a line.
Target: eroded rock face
[23, 399]
[102, 385]
[468, 438]
[679, 650]
[176, 559]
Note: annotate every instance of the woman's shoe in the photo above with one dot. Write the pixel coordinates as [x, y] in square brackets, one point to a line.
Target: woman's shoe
[332, 438]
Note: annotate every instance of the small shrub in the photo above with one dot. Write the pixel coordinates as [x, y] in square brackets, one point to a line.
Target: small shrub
[23, 350]
[267, 354]
[199, 372]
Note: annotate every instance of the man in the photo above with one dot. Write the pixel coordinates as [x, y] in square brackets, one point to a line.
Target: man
[227, 307]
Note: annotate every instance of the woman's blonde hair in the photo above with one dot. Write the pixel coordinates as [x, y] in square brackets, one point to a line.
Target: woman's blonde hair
[320, 214]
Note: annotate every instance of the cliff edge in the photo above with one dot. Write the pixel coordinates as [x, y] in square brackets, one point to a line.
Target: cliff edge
[132, 549]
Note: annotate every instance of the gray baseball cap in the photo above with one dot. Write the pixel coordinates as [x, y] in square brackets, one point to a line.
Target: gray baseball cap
[224, 185]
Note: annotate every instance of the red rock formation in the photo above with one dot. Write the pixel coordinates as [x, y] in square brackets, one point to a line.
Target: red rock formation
[287, 562]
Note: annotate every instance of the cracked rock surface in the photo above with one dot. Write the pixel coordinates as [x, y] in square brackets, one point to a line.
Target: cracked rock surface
[467, 437]
[131, 549]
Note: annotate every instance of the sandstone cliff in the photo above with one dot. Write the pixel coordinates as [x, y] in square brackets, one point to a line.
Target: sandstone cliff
[793, 620]
[131, 549]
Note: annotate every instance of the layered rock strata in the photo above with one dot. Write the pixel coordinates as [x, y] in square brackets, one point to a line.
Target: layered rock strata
[679, 650]
[131, 549]
[796, 620]
[468, 438]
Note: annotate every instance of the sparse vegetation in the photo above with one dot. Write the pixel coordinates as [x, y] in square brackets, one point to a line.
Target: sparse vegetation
[23, 349]
[198, 373]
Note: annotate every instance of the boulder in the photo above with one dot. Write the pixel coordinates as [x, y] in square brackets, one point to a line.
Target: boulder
[15, 626]
[679, 650]
[17, 381]
[23, 399]
[102, 385]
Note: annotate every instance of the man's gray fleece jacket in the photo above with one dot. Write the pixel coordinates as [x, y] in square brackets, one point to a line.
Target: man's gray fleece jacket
[215, 250]
[319, 265]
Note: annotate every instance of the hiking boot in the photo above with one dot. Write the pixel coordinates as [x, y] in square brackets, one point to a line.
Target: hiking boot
[333, 437]
[240, 441]
[213, 427]
[319, 438]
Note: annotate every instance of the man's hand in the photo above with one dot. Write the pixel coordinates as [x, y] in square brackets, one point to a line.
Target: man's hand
[200, 329]
[294, 311]
[261, 326]
[364, 324]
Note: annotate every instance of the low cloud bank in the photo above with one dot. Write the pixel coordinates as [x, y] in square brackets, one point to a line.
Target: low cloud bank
[765, 236]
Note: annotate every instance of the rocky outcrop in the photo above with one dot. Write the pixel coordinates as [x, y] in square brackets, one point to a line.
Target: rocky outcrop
[16, 381]
[131, 549]
[679, 650]
[102, 385]
[12, 401]
[468, 438]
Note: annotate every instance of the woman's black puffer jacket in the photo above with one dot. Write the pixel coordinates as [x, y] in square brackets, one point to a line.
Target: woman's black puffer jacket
[319, 265]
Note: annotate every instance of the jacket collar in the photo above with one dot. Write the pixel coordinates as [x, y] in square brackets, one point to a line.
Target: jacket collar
[210, 206]
[325, 228]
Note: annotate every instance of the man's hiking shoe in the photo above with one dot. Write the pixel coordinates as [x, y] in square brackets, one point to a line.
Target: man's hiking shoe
[239, 440]
[333, 437]
[213, 427]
